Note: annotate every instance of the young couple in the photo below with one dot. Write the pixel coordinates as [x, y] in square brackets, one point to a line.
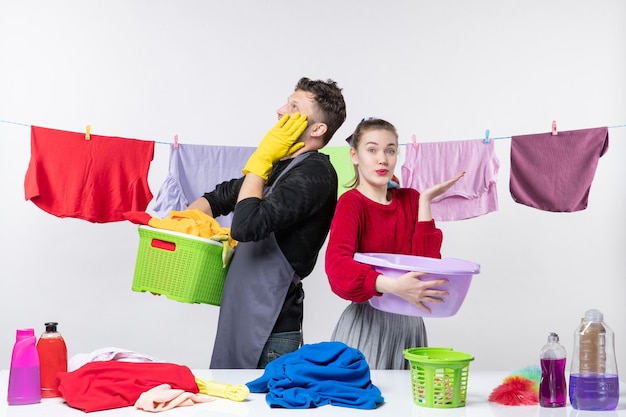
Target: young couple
[285, 205]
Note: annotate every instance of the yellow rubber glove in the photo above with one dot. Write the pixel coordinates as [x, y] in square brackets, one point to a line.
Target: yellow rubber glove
[279, 142]
[236, 392]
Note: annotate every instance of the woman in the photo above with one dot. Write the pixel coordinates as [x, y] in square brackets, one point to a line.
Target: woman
[372, 217]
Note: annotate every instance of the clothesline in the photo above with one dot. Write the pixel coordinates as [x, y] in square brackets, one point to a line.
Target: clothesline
[487, 138]
[171, 143]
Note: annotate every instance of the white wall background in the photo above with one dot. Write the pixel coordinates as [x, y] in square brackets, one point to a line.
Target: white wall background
[215, 72]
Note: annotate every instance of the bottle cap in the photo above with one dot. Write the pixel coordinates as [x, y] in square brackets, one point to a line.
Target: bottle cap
[593, 315]
[24, 333]
[553, 337]
[51, 326]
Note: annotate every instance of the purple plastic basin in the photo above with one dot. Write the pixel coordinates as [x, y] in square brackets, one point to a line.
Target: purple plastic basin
[457, 271]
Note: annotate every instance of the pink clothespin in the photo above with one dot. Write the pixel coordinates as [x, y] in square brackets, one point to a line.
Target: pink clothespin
[414, 140]
[554, 131]
[88, 132]
[175, 141]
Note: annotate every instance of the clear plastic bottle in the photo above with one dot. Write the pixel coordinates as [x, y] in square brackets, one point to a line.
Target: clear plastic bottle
[553, 387]
[24, 386]
[594, 383]
[52, 359]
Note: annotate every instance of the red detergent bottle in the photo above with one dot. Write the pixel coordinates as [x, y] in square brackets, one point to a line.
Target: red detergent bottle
[52, 359]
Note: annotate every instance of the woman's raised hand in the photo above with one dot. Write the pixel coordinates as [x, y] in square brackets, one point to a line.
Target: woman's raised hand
[440, 188]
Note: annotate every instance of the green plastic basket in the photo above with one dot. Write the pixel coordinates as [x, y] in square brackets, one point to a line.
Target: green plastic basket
[182, 267]
[438, 376]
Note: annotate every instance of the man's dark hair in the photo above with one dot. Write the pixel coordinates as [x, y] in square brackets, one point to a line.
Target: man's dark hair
[330, 101]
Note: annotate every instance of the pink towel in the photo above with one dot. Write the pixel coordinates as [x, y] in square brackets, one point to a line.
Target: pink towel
[163, 397]
[473, 195]
[554, 173]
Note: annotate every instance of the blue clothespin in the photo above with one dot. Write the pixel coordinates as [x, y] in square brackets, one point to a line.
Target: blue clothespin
[486, 142]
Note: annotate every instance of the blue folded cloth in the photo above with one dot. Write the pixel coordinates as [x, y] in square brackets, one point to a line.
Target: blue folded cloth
[319, 374]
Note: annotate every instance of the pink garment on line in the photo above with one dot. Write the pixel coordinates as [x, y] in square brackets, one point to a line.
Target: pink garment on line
[95, 180]
[428, 164]
[554, 173]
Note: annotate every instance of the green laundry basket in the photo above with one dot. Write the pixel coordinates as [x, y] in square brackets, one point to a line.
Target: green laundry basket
[438, 376]
[182, 267]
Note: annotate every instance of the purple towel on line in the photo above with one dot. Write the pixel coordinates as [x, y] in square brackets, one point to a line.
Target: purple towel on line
[195, 170]
[554, 173]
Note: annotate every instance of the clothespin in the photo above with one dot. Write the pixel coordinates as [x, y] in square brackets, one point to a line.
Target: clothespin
[554, 132]
[414, 140]
[88, 132]
[486, 142]
[175, 141]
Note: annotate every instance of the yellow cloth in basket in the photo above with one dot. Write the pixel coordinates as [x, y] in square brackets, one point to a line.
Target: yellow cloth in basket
[197, 223]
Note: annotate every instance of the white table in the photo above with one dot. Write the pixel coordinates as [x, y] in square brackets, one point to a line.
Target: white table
[394, 385]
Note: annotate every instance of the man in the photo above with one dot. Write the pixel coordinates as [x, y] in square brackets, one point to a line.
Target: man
[282, 207]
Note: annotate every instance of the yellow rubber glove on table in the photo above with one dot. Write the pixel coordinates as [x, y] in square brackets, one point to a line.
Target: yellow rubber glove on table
[237, 392]
[278, 143]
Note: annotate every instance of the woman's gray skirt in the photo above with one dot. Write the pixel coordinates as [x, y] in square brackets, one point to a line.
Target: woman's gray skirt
[381, 336]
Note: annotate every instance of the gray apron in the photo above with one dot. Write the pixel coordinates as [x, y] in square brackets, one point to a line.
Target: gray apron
[254, 292]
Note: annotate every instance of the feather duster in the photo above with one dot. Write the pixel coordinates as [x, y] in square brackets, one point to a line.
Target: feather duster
[530, 372]
[515, 390]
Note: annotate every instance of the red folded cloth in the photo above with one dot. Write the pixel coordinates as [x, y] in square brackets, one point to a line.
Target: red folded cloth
[105, 385]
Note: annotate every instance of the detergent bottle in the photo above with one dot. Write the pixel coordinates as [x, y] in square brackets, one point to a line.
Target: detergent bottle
[552, 386]
[52, 359]
[24, 383]
[594, 384]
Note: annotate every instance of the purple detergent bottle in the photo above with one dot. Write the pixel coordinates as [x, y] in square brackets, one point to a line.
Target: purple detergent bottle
[594, 384]
[24, 381]
[552, 387]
